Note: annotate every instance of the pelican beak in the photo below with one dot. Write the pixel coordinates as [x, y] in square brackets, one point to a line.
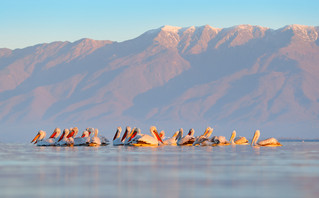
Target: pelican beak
[71, 134]
[35, 138]
[158, 137]
[117, 131]
[61, 136]
[53, 134]
[179, 136]
[132, 136]
[124, 136]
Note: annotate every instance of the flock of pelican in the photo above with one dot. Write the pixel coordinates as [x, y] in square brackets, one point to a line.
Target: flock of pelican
[68, 138]
[133, 137]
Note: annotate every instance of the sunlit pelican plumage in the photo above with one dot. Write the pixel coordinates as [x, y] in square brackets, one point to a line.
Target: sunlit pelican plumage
[65, 139]
[267, 142]
[40, 141]
[172, 140]
[117, 140]
[187, 140]
[204, 139]
[237, 140]
[147, 140]
[84, 140]
[95, 140]
[219, 141]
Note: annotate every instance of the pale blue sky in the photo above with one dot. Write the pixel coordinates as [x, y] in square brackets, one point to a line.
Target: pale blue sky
[29, 22]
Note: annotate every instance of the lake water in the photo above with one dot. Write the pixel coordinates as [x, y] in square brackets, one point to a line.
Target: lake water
[170, 171]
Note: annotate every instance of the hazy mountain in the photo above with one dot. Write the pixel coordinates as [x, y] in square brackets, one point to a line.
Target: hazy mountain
[244, 77]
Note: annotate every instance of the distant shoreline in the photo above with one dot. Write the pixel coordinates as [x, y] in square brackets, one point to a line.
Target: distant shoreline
[297, 140]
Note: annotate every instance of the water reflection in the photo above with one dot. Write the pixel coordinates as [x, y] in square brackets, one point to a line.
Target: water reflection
[289, 171]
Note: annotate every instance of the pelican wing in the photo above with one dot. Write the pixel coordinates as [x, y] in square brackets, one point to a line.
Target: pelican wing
[241, 140]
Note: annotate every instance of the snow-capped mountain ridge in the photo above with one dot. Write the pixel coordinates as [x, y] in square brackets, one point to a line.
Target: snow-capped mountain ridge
[240, 77]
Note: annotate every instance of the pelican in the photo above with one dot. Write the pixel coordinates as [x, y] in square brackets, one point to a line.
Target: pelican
[117, 140]
[147, 140]
[172, 140]
[83, 140]
[40, 141]
[65, 139]
[189, 139]
[267, 142]
[203, 139]
[237, 140]
[95, 140]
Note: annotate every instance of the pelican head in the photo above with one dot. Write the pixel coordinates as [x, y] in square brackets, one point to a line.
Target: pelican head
[191, 132]
[180, 134]
[127, 130]
[65, 133]
[56, 133]
[118, 133]
[153, 130]
[175, 134]
[40, 135]
[85, 134]
[73, 132]
[133, 133]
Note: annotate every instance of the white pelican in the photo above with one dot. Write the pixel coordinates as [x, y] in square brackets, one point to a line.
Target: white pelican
[95, 140]
[83, 140]
[267, 142]
[40, 141]
[189, 139]
[172, 140]
[147, 140]
[237, 140]
[201, 140]
[65, 139]
[117, 137]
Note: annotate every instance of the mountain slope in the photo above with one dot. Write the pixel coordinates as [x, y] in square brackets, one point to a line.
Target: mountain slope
[244, 77]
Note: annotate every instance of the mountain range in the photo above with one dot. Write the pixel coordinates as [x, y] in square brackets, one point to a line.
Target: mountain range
[244, 78]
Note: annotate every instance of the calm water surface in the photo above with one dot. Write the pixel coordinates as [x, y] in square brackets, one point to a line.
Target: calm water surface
[240, 171]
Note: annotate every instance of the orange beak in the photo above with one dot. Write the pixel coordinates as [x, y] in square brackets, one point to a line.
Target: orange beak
[53, 134]
[158, 137]
[71, 134]
[117, 131]
[83, 135]
[61, 136]
[133, 135]
[36, 138]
